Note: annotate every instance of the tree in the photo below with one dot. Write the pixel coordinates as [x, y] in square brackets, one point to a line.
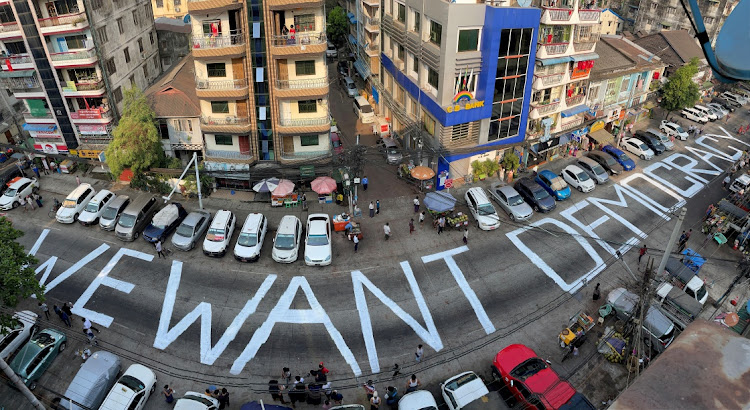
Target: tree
[337, 25]
[136, 143]
[681, 91]
[17, 276]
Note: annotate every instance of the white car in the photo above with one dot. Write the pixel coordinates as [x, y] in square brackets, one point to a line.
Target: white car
[331, 51]
[95, 208]
[318, 240]
[132, 390]
[17, 190]
[461, 390]
[482, 209]
[286, 242]
[718, 108]
[74, 204]
[638, 148]
[733, 97]
[417, 400]
[219, 233]
[694, 115]
[22, 327]
[196, 401]
[578, 178]
[250, 241]
[672, 129]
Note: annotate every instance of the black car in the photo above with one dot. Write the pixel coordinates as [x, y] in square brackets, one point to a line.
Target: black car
[164, 222]
[652, 141]
[606, 161]
[343, 68]
[535, 195]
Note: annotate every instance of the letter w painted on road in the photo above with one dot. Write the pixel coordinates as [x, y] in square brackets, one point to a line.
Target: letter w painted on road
[165, 336]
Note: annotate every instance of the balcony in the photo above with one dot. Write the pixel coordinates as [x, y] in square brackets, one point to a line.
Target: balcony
[90, 88]
[64, 23]
[296, 126]
[312, 87]
[232, 45]
[542, 109]
[9, 30]
[304, 155]
[38, 117]
[589, 16]
[372, 25]
[557, 16]
[555, 48]
[584, 46]
[17, 62]
[228, 124]
[549, 80]
[576, 122]
[208, 6]
[96, 115]
[24, 86]
[186, 146]
[74, 58]
[301, 43]
[575, 100]
[230, 155]
[231, 89]
[293, 4]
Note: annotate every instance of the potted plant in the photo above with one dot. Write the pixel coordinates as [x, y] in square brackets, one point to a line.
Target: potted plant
[510, 162]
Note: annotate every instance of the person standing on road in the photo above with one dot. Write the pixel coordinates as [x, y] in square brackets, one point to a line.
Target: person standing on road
[45, 309]
[87, 325]
[411, 226]
[441, 224]
[372, 209]
[67, 307]
[726, 181]
[387, 231]
[369, 389]
[416, 204]
[78, 180]
[466, 236]
[286, 375]
[419, 353]
[304, 202]
[36, 171]
[356, 243]
[37, 199]
[364, 183]
[159, 250]
[642, 252]
[65, 318]
[597, 293]
[421, 218]
[374, 401]
[413, 384]
[91, 337]
[223, 398]
[377, 207]
[168, 394]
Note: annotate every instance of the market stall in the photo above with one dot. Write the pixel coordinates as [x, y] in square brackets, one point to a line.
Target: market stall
[441, 204]
[324, 187]
[284, 195]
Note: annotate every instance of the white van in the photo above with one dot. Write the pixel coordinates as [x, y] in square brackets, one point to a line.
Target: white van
[219, 234]
[482, 209]
[95, 207]
[705, 111]
[250, 241]
[363, 109]
[741, 183]
[75, 203]
[694, 115]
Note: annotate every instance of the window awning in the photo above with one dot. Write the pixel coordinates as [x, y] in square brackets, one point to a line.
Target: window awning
[353, 20]
[362, 69]
[16, 73]
[552, 61]
[350, 15]
[585, 57]
[602, 136]
[666, 24]
[39, 127]
[575, 110]
[352, 40]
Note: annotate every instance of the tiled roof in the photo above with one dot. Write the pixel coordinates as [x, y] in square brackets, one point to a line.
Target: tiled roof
[173, 93]
[610, 61]
[674, 47]
[619, 56]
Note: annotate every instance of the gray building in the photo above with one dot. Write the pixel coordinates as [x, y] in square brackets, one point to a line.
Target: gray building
[174, 40]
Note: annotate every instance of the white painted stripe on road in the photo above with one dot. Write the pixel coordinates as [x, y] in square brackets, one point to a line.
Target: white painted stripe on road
[78, 265]
[38, 243]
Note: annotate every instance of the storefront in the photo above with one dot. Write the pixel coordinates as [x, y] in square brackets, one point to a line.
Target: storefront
[599, 136]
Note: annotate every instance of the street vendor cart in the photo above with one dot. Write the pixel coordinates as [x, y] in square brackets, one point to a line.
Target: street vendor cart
[578, 325]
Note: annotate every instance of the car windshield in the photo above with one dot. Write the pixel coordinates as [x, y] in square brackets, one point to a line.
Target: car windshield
[528, 368]
[458, 382]
[558, 184]
[624, 157]
[515, 200]
[185, 230]
[679, 129]
[284, 242]
[598, 170]
[199, 399]
[643, 147]
[486, 209]
[317, 240]
[126, 221]
[701, 292]
[69, 203]
[11, 192]
[132, 383]
[109, 213]
[365, 108]
[540, 194]
[215, 235]
[336, 143]
[583, 176]
[247, 239]
[92, 207]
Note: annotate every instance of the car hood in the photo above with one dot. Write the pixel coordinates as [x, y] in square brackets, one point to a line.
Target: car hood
[247, 251]
[470, 392]
[318, 253]
[489, 220]
[66, 212]
[152, 231]
[563, 193]
[523, 209]
[547, 203]
[180, 240]
[284, 254]
[6, 200]
[212, 246]
[107, 222]
[87, 216]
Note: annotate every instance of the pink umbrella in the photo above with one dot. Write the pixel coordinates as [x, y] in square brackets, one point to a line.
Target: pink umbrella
[284, 188]
[323, 185]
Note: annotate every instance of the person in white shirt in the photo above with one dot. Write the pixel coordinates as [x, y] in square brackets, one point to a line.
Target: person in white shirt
[387, 231]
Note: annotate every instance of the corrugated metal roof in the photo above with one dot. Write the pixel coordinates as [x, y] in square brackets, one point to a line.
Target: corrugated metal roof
[173, 94]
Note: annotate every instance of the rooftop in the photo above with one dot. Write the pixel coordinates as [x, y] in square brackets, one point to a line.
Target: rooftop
[675, 47]
[619, 55]
[176, 25]
[173, 93]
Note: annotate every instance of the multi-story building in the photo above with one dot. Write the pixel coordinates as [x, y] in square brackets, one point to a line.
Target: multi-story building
[69, 61]
[610, 22]
[455, 78]
[364, 38]
[173, 9]
[650, 16]
[262, 83]
[174, 40]
[568, 33]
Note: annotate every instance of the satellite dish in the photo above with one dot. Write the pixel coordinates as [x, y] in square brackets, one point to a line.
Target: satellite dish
[734, 37]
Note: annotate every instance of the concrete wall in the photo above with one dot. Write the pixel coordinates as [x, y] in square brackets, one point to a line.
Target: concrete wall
[173, 46]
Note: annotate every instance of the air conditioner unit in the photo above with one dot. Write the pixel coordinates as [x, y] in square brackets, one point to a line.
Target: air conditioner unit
[231, 120]
[177, 9]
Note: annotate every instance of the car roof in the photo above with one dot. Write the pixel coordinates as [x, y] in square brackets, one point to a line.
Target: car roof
[528, 182]
[574, 169]
[287, 224]
[252, 222]
[92, 378]
[18, 183]
[613, 149]
[417, 400]
[119, 200]
[100, 195]
[193, 217]
[511, 356]
[505, 189]
[221, 218]
[549, 174]
[478, 194]
[588, 161]
[80, 189]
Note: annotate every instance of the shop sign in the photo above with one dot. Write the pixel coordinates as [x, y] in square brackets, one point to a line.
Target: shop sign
[597, 126]
[464, 107]
[90, 114]
[92, 129]
[73, 152]
[88, 153]
[49, 149]
[307, 171]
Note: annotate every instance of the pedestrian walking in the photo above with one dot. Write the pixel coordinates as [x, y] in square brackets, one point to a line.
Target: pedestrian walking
[441, 224]
[642, 252]
[700, 131]
[466, 236]
[78, 180]
[159, 250]
[91, 337]
[87, 325]
[416, 204]
[168, 394]
[67, 307]
[377, 207]
[421, 218]
[286, 375]
[597, 293]
[356, 243]
[682, 242]
[30, 201]
[411, 226]
[387, 231]
[374, 401]
[726, 119]
[369, 389]
[304, 202]
[66, 319]
[391, 396]
[36, 171]
[372, 209]
[276, 390]
[336, 397]
[37, 199]
[57, 311]
[413, 383]
[45, 309]
[322, 370]
[726, 181]
[364, 183]
[45, 167]
[419, 353]
[223, 398]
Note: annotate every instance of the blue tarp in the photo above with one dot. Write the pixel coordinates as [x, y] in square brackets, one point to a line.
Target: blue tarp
[585, 57]
[352, 40]
[362, 69]
[440, 201]
[693, 260]
[353, 20]
[575, 110]
[553, 61]
[39, 127]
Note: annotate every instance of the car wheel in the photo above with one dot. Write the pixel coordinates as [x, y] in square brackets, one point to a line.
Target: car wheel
[153, 388]
[62, 347]
[15, 204]
[536, 208]
[75, 217]
[32, 386]
[580, 189]
[643, 157]
[136, 235]
[512, 217]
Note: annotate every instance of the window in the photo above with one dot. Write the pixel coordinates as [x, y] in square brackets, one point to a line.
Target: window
[190, 125]
[177, 2]
[140, 45]
[15, 47]
[417, 21]
[400, 52]
[308, 140]
[111, 66]
[159, 3]
[127, 55]
[6, 14]
[401, 16]
[625, 83]
[428, 123]
[101, 32]
[117, 94]
[306, 67]
[307, 106]
[304, 22]
[135, 17]
[75, 42]
[401, 96]
[119, 26]
[436, 32]
[216, 69]
[223, 139]
[151, 37]
[468, 40]
[415, 63]
[432, 77]
[552, 34]
[145, 69]
[220, 107]
[510, 84]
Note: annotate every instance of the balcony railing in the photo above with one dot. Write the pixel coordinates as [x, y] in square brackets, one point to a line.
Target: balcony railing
[229, 154]
[73, 55]
[95, 139]
[575, 100]
[236, 84]
[84, 86]
[229, 120]
[10, 26]
[22, 84]
[542, 109]
[299, 39]
[373, 22]
[73, 19]
[551, 79]
[298, 84]
[16, 59]
[584, 46]
[305, 154]
[235, 39]
[589, 15]
[27, 115]
[556, 48]
[304, 122]
[560, 14]
[565, 126]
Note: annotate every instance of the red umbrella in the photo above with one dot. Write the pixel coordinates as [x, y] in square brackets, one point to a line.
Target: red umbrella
[284, 188]
[323, 185]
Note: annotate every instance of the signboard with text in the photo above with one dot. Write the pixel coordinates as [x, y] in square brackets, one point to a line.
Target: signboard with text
[90, 114]
[92, 129]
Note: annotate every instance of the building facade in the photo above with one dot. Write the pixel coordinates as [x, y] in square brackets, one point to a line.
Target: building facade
[174, 40]
[173, 9]
[70, 61]
[610, 23]
[364, 38]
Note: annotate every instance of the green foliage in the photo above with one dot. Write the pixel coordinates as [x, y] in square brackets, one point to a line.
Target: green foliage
[173, 163]
[510, 161]
[206, 182]
[483, 169]
[136, 143]
[680, 90]
[151, 183]
[337, 25]
[17, 276]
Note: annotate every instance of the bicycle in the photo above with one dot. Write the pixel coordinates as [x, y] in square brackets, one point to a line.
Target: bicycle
[55, 206]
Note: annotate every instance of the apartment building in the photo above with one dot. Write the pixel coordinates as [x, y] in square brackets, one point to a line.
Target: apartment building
[610, 22]
[262, 84]
[651, 16]
[173, 9]
[455, 78]
[568, 33]
[69, 61]
[364, 37]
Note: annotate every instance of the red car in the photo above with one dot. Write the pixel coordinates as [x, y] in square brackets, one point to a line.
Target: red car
[530, 381]
[336, 143]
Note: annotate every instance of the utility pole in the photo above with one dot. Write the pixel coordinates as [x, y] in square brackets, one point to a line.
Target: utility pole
[672, 239]
[20, 386]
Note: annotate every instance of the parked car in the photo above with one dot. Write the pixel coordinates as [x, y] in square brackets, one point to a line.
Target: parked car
[553, 184]
[535, 195]
[164, 223]
[719, 112]
[74, 204]
[593, 169]
[705, 111]
[390, 150]
[287, 240]
[318, 240]
[578, 178]
[219, 233]
[108, 218]
[135, 217]
[637, 147]
[417, 400]
[196, 401]
[343, 68]
[363, 109]
[668, 144]
[733, 98]
[22, 326]
[350, 87]
[694, 115]
[720, 107]
[22, 188]
[250, 240]
[37, 355]
[510, 201]
[461, 390]
[92, 381]
[727, 105]
[651, 141]
[528, 380]
[132, 390]
[482, 210]
[622, 158]
[338, 148]
[190, 230]
[606, 161]
[331, 51]
[672, 129]
[658, 330]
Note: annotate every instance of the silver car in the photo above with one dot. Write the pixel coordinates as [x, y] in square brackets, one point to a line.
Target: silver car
[190, 230]
[595, 171]
[510, 201]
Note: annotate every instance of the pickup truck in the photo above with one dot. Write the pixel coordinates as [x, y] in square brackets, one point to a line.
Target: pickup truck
[683, 277]
[677, 305]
